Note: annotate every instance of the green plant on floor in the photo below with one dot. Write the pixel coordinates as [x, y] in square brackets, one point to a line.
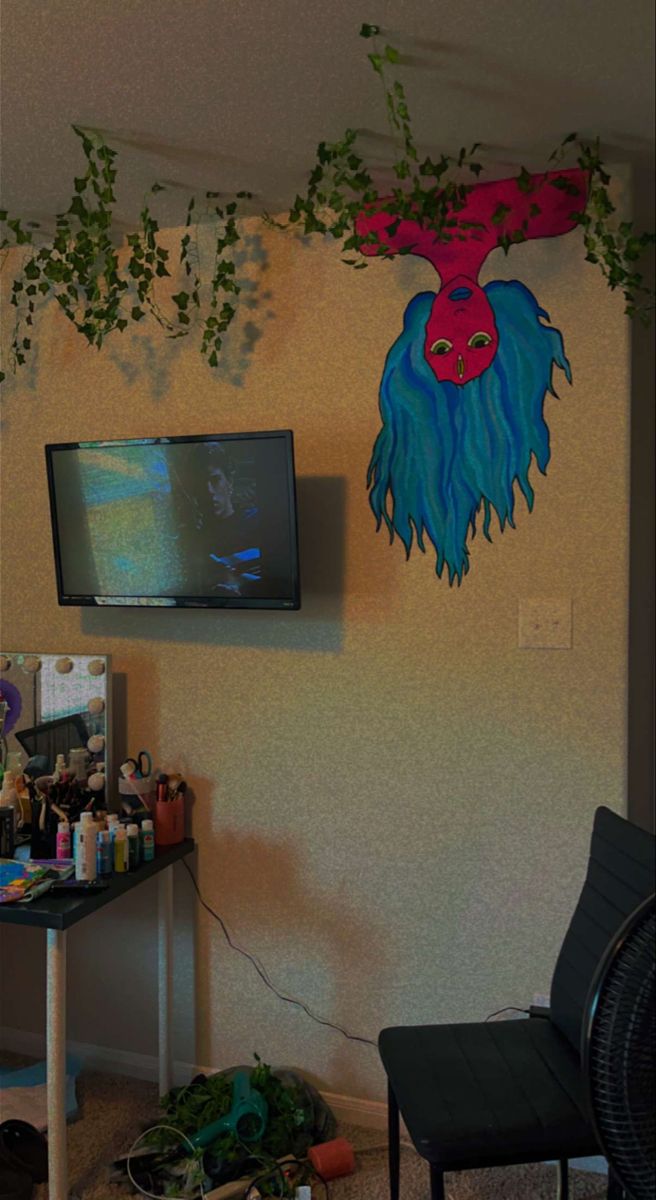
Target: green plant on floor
[101, 293]
[190, 1109]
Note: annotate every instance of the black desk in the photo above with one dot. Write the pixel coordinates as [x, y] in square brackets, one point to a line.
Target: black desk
[64, 911]
[57, 916]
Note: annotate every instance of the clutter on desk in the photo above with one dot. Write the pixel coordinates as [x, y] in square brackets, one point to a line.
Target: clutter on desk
[63, 815]
[27, 880]
[248, 1129]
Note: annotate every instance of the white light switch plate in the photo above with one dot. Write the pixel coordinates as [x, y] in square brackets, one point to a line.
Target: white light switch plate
[545, 623]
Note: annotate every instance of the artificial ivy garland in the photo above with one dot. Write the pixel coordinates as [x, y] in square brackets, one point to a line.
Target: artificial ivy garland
[81, 268]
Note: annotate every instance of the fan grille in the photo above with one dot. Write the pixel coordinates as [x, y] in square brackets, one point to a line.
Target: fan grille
[623, 1062]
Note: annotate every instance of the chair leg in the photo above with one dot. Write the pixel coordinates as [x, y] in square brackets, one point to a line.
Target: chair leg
[615, 1189]
[562, 1168]
[437, 1183]
[394, 1150]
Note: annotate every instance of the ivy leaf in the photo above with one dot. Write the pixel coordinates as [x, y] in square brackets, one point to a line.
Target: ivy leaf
[391, 54]
[369, 31]
[500, 213]
[181, 299]
[158, 187]
[137, 313]
[524, 181]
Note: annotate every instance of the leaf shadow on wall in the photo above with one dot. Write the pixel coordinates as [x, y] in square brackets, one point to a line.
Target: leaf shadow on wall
[311, 942]
[318, 626]
[140, 356]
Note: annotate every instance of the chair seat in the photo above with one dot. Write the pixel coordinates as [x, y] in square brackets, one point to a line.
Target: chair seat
[481, 1095]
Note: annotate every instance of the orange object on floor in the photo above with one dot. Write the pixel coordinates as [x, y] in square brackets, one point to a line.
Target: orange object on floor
[332, 1159]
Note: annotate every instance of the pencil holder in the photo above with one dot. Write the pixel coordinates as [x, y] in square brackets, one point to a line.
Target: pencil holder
[169, 821]
[142, 791]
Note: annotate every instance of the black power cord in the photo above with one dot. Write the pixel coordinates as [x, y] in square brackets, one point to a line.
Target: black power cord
[352, 1037]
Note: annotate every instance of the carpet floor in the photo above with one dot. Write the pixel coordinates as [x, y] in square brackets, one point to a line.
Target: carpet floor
[113, 1110]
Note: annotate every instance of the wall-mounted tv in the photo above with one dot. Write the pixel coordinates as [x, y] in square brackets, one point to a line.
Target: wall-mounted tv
[191, 522]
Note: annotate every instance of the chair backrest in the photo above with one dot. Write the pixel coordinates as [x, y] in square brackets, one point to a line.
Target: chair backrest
[621, 873]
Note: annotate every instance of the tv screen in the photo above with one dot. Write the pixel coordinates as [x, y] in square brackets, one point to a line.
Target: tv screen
[196, 522]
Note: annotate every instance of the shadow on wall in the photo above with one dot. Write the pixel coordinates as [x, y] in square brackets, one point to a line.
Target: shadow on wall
[317, 627]
[141, 355]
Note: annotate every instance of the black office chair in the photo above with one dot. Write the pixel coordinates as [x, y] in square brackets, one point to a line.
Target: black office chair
[619, 1054]
[493, 1094]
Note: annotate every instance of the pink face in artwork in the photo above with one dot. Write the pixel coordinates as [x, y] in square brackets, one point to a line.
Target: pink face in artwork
[461, 334]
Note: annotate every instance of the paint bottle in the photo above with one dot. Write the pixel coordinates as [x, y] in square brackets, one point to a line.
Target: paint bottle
[85, 852]
[63, 841]
[88, 827]
[133, 847]
[121, 852]
[104, 855]
[147, 841]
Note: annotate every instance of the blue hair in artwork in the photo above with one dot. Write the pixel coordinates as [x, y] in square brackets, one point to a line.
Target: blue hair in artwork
[446, 452]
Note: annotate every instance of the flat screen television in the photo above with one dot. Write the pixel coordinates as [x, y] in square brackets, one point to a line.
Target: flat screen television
[189, 522]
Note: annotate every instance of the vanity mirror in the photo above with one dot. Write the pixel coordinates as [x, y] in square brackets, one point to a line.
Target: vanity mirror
[55, 709]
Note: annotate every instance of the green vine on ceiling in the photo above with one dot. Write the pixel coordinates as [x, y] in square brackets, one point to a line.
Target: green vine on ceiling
[82, 269]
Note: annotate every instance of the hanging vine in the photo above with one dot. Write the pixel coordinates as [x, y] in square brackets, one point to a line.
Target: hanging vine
[82, 268]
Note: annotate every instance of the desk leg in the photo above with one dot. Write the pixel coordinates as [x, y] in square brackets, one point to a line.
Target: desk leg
[56, 1053]
[165, 956]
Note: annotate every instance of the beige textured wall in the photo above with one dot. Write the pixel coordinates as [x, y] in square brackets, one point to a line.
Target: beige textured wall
[393, 801]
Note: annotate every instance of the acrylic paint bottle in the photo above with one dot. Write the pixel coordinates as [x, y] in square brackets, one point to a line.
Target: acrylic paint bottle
[147, 841]
[121, 851]
[88, 829]
[63, 841]
[133, 847]
[85, 852]
[104, 855]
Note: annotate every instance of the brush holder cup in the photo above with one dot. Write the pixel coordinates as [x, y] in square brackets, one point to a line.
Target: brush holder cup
[138, 792]
[170, 821]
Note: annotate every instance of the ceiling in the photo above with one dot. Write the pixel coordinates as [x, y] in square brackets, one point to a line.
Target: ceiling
[236, 94]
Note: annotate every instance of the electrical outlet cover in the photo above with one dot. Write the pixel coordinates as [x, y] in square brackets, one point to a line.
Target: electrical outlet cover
[545, 623]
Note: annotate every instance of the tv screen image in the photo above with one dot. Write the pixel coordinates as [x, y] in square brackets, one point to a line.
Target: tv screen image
[202, 522]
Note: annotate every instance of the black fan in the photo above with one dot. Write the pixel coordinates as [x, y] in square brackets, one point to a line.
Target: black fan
[619, 1054]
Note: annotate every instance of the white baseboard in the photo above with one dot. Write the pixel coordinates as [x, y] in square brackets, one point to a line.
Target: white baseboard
[351, 1110]
[371, 1114]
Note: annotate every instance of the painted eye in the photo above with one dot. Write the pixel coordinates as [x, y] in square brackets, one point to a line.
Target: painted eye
[478, 340]
[441, 346]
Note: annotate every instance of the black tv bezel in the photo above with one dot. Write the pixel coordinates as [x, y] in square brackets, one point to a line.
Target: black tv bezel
[286, 604]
